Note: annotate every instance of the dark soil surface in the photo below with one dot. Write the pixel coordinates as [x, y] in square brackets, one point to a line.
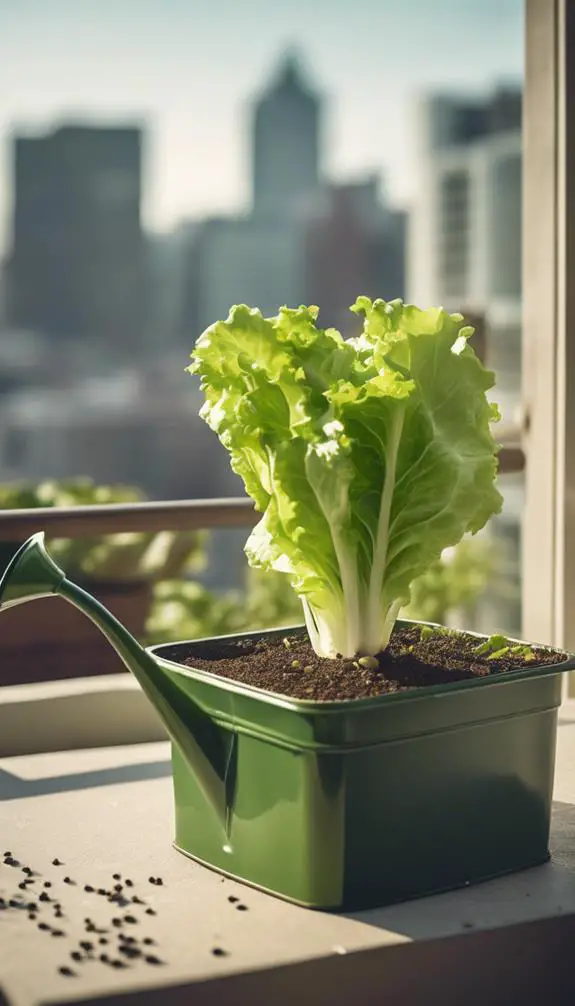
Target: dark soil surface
[413, 659]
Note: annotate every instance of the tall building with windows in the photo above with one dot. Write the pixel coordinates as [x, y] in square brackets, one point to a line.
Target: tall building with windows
[286, 143]
[465, 226]
[75, 267]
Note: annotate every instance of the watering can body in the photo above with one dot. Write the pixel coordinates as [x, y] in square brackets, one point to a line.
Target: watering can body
[339, 805]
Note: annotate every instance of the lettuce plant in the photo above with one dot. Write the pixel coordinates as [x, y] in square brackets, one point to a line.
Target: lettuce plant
[367, 457]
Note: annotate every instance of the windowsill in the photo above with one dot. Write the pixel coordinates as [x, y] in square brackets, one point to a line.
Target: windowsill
[109, 808]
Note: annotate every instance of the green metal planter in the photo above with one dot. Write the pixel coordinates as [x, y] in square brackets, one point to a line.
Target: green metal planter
[341, 805]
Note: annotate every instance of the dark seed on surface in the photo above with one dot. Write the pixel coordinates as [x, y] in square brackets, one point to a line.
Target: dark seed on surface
[76, 955]
[86, 945]
[32, 916]
[43, 925]
[117, 922]
[148, 941]
[67, 972]
[129, 883]
[152, 880]
[58, 914]
[102, 940]
[44, 897]
[31, 906]
[57, 862]
[118, 964]
[101, 890]
[27, 870]
[131, 919]
[118, 887]
[232, 899]
[58, 932]
[7, 855]
[242, 908]
[22, 885]
[117, 876]
[219, 952]
[47, 883]
[150, 959]
[104, 957]
[137, 901]
[88, 887]
[15, 904]
[150, 911]
[68, 880]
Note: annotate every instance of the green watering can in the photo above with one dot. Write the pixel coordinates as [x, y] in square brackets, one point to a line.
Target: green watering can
[339, 805]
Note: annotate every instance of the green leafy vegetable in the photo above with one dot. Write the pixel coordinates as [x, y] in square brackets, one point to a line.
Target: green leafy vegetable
[366, 457]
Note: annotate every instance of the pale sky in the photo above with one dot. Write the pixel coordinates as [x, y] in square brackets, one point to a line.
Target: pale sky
[188, 68]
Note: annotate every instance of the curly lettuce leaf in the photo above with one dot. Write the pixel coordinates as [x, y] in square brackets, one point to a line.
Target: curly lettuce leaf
[367, 457]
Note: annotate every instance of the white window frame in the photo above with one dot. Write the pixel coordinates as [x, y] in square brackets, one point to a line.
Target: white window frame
[549, 323]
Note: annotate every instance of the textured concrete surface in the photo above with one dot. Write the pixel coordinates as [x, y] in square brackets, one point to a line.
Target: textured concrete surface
[109, 810]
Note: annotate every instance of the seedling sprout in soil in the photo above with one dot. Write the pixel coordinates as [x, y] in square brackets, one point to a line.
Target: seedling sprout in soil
[366, 457]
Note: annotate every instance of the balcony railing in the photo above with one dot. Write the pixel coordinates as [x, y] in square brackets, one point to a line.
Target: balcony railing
[172, 515]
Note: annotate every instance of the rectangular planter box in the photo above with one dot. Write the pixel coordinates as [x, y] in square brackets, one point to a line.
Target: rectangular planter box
[355, 804]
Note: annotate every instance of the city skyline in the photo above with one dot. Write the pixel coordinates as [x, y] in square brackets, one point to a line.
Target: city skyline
[153, 62]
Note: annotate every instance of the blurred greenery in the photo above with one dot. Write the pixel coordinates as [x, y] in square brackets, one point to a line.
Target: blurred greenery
[187, 610]
[120, 557]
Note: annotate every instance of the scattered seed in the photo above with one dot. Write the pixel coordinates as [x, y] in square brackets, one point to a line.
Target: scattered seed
[58, 914]
[57, 862]
[43, 925]
[44, 897]
[8, 855]
[129, 883]
[219, 952]
[86, 945]
[118, 964]
[22, 886]
[76, 955]
[118, 887]
[131, 919]
[148, 941]
[9, 861]
[371, 663]
[117, 876]
[232, 899]
[150, 911]
[27, 870]
[137, 901]
[67, 972]
[31, 906]
[117, 922]
[68, 880]
[15, 904]
[32, 916]
[89, 888]
[47, 883]
[104, 957]
[101, 890]
[103, 940]
[58, 932]
[150, 959]
[242, 908]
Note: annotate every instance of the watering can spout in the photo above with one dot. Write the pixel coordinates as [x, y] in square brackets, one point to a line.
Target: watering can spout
[32, 574]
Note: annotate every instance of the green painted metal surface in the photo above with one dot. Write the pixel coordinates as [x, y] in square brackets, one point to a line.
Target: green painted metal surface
[341, 805]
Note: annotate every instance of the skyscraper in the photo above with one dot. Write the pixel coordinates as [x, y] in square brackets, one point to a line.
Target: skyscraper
[75, 269]
[286, 143]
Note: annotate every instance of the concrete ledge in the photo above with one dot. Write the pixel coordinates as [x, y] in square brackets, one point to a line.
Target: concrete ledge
[78, 713]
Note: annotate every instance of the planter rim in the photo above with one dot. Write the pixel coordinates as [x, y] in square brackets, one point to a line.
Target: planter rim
[370, 703]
